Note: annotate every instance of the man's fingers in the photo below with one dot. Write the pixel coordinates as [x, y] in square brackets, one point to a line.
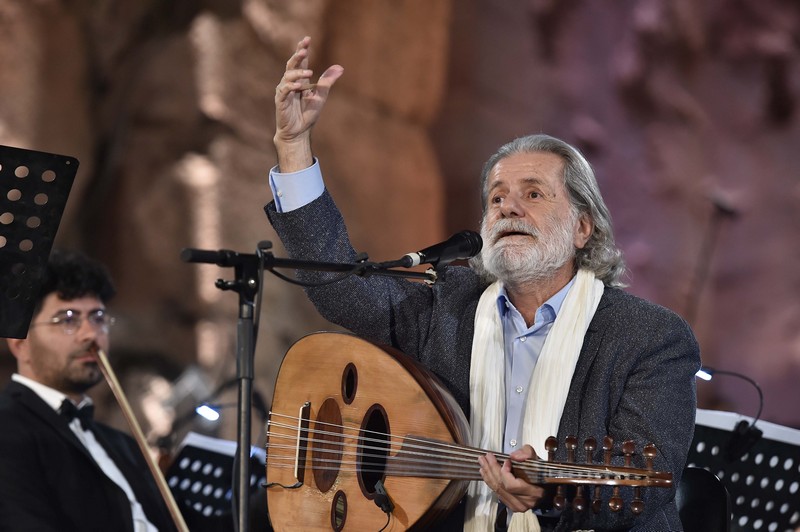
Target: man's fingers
[297, 74]
[293, 81]
[303, 44]
[489, 466]
[525, 453]
[297, 80]
[329, 77]
[299, 58]
[284, 89]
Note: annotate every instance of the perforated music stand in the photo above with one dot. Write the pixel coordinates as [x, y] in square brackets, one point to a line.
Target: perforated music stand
[34, 187]
[201, 475]
[764, 484]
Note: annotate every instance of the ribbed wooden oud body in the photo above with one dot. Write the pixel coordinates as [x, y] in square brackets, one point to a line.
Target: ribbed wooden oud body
[414, 405]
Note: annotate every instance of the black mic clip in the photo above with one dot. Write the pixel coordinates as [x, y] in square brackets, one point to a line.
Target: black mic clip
[743, 438]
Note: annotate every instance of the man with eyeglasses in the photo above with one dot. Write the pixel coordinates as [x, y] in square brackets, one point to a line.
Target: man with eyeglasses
[60, 470]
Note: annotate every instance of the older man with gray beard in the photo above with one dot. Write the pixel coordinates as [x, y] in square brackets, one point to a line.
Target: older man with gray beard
[536, 338]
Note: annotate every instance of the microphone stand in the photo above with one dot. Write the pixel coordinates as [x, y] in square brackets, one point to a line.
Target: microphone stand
[247, 276]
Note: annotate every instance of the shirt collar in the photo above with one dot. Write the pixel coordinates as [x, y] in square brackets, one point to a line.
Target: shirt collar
[554, 303]
[52, 397]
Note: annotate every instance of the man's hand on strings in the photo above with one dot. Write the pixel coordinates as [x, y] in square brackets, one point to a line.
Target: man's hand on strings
[517, 494]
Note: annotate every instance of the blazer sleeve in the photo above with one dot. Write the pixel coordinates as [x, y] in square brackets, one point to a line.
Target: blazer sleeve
[386, 310]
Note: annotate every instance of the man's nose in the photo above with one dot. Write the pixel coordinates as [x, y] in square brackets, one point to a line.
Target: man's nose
[87, 330]
[511, 208]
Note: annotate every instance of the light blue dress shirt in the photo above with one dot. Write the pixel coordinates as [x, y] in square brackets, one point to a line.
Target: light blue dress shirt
[523, 345]
[295, 189]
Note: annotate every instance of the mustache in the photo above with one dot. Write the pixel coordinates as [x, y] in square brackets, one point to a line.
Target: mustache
[505, 226]
[90, 348]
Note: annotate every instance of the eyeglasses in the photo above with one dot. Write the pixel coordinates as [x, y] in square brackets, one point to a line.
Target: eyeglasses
[70, 321]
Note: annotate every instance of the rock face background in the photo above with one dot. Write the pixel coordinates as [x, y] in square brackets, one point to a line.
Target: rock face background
[687, 110]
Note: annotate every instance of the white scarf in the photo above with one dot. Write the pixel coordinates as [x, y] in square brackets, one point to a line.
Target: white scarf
[547, 392]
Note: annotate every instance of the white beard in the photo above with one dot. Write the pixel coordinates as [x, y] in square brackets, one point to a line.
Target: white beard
[522, 259]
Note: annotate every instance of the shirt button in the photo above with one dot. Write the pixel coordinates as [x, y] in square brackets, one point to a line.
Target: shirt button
[518, 389]
[280, 194]
[522, 339]
[513, 443]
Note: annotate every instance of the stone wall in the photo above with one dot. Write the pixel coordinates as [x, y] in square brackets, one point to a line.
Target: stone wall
[687, 111]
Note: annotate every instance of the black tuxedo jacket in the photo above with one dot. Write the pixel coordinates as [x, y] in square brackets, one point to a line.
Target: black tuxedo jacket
[50, 482]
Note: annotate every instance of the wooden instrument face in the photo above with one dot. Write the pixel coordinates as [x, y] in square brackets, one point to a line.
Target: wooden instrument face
[360, 437]
[357, 397]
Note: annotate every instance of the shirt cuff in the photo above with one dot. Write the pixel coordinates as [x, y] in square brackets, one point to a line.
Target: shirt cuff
[296, 189]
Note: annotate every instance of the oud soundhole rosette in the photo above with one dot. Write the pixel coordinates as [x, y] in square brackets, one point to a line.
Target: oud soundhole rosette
[349, 383]
[373, 449]
[326, 445]
[338, 511]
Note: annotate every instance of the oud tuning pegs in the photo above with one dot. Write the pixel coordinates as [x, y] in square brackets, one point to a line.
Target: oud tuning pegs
[628, 448]
[608, 446]
[649, 453]
[579, 502]
[571, 443]
[615, 503]
[560, 500]
[551, 445]
[637, 505]
[589, 446]
[597, 502]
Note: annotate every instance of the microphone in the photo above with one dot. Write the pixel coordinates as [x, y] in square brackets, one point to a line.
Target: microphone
[463, 245]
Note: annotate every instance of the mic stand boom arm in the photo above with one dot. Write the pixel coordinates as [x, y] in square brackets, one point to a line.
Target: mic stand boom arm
[362, 269]
[247, 283]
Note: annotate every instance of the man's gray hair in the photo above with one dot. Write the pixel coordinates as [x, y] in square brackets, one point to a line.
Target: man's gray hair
[600, 254]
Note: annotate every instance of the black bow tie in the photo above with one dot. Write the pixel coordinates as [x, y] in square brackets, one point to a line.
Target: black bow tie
[84, 413]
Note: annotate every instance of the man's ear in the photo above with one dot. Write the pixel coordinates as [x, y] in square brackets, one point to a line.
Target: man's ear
[18, 347]
[583, 230]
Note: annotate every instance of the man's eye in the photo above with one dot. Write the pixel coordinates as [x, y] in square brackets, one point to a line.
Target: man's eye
[69, 320]
[534, 195]
[98, 318]
[497, 199]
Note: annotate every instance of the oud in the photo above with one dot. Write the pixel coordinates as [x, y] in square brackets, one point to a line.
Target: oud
[361, 437]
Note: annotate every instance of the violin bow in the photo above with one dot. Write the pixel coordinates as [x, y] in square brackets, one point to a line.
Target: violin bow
[163, 488]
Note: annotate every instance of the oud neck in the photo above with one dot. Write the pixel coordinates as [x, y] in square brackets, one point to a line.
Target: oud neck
[427, 458]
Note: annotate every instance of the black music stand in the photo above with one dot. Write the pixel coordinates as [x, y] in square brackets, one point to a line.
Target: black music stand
[34, 187]
[764, 484]
[201, 480]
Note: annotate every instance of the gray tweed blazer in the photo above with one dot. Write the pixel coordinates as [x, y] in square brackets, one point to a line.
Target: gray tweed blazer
[634, 379]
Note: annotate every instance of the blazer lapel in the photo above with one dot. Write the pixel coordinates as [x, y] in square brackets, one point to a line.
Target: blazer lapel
[45, 414]
[591, 347]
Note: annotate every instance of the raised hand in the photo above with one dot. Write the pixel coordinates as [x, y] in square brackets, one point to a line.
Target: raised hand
[298, 103]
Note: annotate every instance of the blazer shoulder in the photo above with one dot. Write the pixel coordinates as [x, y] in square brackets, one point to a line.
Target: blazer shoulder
[619, 306]
[12, 398]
